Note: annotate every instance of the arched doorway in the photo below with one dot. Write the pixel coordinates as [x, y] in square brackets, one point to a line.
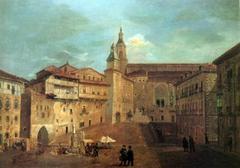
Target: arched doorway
[118, 117]
[43, 136]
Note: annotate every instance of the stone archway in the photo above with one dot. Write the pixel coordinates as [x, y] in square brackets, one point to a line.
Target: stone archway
[43, 136]
[118, 117]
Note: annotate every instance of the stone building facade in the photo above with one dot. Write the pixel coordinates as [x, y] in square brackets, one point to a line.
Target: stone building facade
[195, 105]
[62, 100]
[155, 91]
[228, 97]
[11, 88]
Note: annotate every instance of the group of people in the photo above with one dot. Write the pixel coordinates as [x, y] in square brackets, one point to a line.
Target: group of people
[17, 145]
[126, 156]
[188, 145]
[92, 150]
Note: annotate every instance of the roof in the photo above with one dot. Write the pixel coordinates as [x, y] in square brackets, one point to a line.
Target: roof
[89, 68]
[68, 67]
[228, 54]
[113, 55]
[164, 67]
[8, 76]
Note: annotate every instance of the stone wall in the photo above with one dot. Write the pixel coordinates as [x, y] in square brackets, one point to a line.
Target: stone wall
[196, 106]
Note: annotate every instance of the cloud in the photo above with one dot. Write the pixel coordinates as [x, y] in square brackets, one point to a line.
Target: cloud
[138, 40]
[140, 49]
[34, 34]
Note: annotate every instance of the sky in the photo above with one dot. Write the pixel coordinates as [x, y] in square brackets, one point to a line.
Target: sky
[38, 33]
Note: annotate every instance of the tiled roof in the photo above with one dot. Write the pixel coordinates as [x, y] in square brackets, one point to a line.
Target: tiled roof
[8, 76]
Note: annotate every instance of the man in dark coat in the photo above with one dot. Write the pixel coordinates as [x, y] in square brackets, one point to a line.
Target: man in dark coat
[191, 144]
[123, 156]
[130, 156]
[185, 144]
[230, 144]
[206, 139]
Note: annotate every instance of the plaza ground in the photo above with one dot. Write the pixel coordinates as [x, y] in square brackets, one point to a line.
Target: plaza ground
[147, 153]
[145, 157]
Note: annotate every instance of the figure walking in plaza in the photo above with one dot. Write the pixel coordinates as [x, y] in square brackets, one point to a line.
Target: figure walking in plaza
[130, 156]
[230, 144]
[206, 139]
[191, 144]
[185, 144]
[123, 156]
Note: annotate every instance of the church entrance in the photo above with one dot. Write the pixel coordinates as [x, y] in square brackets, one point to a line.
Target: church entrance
[118, 117]
[43, 136]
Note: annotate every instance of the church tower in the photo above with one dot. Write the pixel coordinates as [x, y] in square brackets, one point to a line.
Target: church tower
[113, 61]
[121, 52]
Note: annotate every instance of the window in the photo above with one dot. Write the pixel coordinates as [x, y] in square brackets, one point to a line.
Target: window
[162, 103]
[229, 79]
[71, 111]
[158, 102]
[16, 103]
[36, 107]
[7, 119]
[7, 106]
[8, 87]
[101, 119]
[16, 119]
[43, 115]
[1, 103]
[229, 74]
[84, 111]
[84, 77]
[16, 134]
[162, 117]
[84, 90]
[89, 123]
[71, 120]
[13, 90]
[57, 120]
[0, 119]
[89, 77]
[173, 118]
[93, 92]
[81, 124]
[196, 86]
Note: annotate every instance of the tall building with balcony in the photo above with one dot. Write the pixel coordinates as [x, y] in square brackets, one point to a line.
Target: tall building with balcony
[195, 105]
[62, 100]
[228, 97]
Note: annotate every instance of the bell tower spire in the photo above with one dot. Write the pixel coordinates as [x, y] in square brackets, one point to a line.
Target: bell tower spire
[120, 35]
[121, 51]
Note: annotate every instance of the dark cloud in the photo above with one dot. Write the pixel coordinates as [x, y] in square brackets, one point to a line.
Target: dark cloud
[222, 9]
